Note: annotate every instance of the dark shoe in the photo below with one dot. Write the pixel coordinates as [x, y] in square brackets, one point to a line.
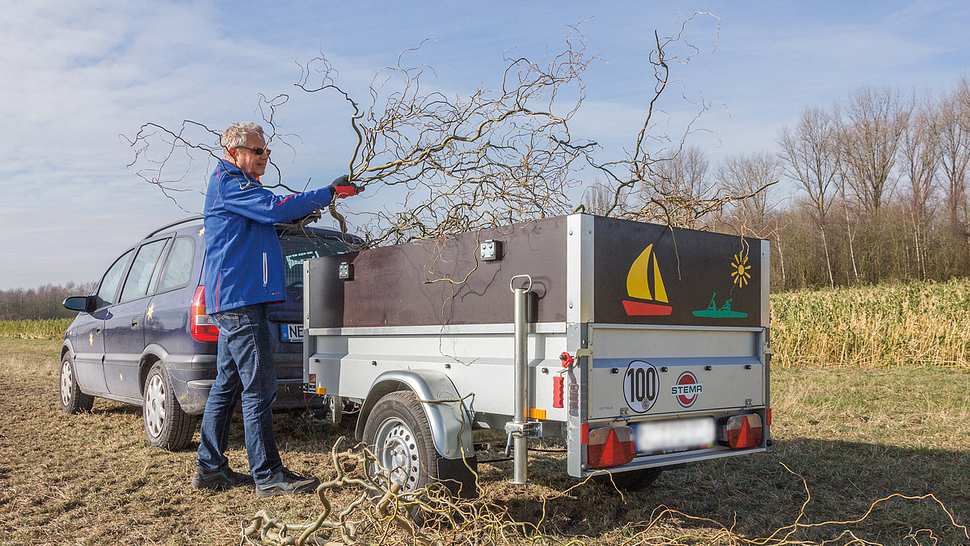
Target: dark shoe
[220, 480]
[285, 482]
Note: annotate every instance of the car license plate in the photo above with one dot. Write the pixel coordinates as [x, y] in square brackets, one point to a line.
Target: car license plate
[674, 435]
[292, 333]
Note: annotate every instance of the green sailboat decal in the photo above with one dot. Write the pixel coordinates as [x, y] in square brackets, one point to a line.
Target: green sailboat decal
[715, 312]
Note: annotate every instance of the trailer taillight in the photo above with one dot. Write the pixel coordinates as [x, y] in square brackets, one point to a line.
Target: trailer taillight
[201, 326]
[741, 431]
[609, 446]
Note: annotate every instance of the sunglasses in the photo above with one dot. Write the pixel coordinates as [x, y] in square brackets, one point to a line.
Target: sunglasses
[257, 151]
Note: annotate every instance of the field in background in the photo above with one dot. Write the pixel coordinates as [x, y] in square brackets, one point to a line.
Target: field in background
[913, 324]
[34, 329]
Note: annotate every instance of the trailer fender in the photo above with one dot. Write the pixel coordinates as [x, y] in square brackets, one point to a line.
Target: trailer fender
[448, 416]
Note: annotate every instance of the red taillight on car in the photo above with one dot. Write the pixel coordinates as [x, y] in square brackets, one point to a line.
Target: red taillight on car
[609, 446]
[201, 326]
[742, 431]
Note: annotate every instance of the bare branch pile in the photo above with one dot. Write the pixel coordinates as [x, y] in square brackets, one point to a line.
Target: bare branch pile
[382, 514]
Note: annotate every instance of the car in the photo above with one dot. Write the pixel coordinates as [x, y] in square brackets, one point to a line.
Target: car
[144, 337]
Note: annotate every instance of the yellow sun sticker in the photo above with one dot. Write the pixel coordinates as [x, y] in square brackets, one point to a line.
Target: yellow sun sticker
[739, 270]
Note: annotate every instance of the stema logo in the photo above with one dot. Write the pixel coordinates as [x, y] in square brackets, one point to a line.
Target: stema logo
[686, 390]
[645, 286]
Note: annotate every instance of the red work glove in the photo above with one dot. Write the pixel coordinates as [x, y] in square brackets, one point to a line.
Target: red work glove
[342, 187]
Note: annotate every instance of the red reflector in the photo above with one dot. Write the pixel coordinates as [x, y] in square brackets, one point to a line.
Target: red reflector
[557, 391]
[743, 431]
[200, 325]
[610, 446]
[584, 433]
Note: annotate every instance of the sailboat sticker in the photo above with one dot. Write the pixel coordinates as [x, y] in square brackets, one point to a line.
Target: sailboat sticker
[645, 286]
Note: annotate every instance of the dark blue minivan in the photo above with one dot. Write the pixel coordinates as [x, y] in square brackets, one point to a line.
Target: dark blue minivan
[144, 337]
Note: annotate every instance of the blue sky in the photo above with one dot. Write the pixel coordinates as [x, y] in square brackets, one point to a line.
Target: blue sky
[78, 75]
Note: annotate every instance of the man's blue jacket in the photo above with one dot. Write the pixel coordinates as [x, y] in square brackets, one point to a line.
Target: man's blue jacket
[243, 260]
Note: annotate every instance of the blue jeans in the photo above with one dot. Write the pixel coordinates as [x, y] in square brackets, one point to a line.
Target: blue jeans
[244, 365]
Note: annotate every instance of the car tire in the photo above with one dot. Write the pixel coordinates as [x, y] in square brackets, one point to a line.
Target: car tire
[634, 480]
[72, 399]
[398, 433]
[166, 425]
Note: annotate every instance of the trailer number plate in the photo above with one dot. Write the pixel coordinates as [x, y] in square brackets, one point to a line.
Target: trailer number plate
[292, 333]
[676, 435]
[641, 386]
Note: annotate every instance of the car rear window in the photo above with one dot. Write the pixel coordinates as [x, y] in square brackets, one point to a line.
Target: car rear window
[298, 248]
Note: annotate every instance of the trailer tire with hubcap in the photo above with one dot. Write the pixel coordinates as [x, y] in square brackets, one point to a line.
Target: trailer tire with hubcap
[166, 425]
[72, 399]
[398, 433]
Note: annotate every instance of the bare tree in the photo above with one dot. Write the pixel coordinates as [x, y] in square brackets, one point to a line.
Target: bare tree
[596, 199]
[683, 180]
[811, 159]
[850, 218]
[954, 127]
[869, 138]
[920, 155]
[751, 174]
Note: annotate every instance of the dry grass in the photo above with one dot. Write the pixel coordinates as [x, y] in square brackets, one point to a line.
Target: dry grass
[913, 324]
[855, 435]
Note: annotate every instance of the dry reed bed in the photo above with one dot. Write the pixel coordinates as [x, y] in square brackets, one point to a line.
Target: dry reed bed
[913, 324]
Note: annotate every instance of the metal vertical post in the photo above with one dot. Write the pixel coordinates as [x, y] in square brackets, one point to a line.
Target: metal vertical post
[520, 385]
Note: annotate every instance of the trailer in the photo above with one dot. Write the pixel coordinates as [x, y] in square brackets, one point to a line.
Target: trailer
[634, 346]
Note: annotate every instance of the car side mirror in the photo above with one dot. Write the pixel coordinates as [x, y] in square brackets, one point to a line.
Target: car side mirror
[84, 304]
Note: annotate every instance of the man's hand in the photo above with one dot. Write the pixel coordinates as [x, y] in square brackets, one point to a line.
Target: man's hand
[343, 187]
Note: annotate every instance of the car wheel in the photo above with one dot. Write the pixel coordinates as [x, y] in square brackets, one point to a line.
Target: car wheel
[166, 425]
[398, 433]
[72, 399]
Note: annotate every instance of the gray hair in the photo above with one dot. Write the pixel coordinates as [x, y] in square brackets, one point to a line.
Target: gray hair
[235, 135]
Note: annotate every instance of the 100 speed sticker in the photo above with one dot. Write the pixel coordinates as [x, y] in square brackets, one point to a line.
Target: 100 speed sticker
[641, 386]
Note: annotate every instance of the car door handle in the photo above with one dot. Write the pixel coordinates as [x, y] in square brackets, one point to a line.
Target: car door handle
[134, 323]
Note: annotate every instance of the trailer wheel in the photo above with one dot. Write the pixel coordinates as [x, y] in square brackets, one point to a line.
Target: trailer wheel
[634, 480]
[398, 433]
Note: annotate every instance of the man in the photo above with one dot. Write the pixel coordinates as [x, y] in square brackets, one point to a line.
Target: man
[244, 272]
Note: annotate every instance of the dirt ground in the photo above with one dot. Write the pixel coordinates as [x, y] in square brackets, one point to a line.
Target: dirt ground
[854, 435]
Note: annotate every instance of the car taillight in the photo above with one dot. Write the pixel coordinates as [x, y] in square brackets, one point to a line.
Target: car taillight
[609, 446]
[741, 431]
[201, 326]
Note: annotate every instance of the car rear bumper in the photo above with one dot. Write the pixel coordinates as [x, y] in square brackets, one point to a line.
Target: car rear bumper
[193, 375]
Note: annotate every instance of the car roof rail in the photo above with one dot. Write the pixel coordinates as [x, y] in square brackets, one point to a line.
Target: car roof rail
[195, 218]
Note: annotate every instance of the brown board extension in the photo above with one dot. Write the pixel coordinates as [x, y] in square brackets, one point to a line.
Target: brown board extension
[643, 273]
